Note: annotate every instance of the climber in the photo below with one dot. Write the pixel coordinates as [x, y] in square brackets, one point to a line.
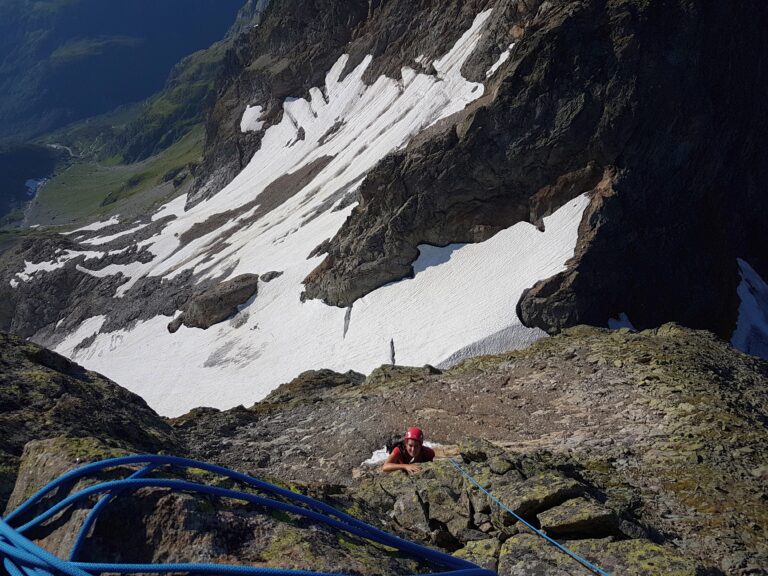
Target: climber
[407, 455]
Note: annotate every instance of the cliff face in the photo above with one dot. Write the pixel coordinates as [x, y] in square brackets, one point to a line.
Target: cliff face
[43, 395]
[431, 180]
[628, 101]
[290, 51]
[626, 446]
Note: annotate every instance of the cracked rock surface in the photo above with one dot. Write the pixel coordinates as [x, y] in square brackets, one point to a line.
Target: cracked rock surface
[627, 447]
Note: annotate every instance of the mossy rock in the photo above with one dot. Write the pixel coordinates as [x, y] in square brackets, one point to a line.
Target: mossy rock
[530, 554]
[635, 558]
[525, 554]
[46, 460]
[484, 553]
[532, 496]
[579, 518]
[479, 450]
[399, 375]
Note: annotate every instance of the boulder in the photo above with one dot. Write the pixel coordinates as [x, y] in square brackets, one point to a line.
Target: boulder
[533, 495]
[484, 553]
[578, 518]
[217, 303]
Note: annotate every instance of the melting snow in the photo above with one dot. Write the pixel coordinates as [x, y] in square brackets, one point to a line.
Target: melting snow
[751, 333]
[622, 321]
[96, 226]
[106, 239]
[250, 121]
[462, 298]
[31, 268]
[502, 58]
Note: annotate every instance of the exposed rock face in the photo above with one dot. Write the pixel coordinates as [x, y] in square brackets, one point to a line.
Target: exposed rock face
[44, 395]
[627, 447]
[629, 442]
[626, 99]
[68, 297]
[217, 303]
[288, 53]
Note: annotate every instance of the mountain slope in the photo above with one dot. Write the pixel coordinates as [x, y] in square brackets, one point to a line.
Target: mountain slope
[66, 60]
[44, 395]
[640, 451]
[492, 165]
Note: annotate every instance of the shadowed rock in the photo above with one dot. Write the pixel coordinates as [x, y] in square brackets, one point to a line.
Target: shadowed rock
[217, 303]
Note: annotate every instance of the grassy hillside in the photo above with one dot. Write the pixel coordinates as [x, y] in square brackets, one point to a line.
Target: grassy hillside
[64, 60]
[88, 190]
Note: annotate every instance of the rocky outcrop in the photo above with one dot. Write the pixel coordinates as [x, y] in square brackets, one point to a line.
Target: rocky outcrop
[44, 395]
[624, 446]
[217, 303]
[290, 51]
[625, 100]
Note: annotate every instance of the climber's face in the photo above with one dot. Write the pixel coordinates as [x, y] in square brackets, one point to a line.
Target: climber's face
[413, 447]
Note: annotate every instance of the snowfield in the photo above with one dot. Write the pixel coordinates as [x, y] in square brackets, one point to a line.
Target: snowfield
[460, 302]
[751, 333]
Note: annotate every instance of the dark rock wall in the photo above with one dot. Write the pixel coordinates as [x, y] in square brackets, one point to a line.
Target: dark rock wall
[660, 101]
[286, 55]
[689, 196]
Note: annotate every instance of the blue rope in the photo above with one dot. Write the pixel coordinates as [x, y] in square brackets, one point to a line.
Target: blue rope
[21, 557]
[586, 563]
[91, 518]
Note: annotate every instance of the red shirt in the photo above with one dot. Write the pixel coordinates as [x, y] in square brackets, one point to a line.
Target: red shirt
[426, 455]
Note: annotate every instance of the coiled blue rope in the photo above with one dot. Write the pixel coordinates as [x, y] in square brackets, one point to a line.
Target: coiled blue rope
[21, 557]
[583, 561]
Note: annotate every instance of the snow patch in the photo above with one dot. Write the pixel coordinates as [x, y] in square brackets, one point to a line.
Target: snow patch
[250, 120]
[751, 333]
[450, 304]
[32, 268]
[96, 226]
[622, 321]
[87, 329]
[106, 239]
[502, 58]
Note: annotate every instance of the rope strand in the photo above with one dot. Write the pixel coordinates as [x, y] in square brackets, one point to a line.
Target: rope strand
[586, 563]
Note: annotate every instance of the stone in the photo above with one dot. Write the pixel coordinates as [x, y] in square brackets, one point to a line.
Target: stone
[217, 303]
[533, 495]
[579, 518]
[484, 553]
[271, 275]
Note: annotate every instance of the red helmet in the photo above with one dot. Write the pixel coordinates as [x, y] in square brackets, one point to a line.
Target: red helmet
[415, 434]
